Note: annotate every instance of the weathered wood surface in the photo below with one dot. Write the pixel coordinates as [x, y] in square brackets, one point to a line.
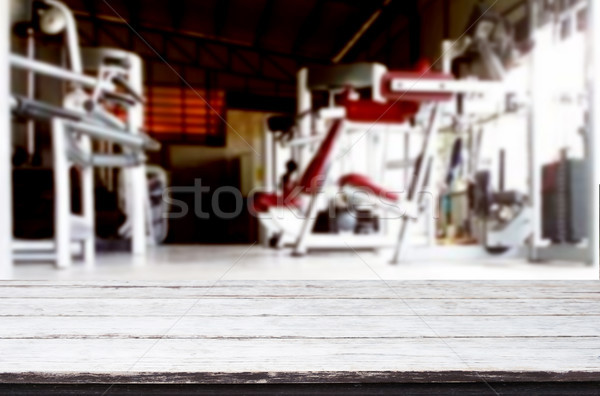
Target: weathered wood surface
[291, 332]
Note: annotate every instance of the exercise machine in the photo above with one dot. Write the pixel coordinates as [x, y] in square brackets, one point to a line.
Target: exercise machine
[85, 117]
[355, 222]
[498, 219]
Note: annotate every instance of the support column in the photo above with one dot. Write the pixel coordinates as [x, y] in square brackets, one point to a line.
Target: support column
[62, 195]
[535, 129]
[136, 177]
[5, 147]
[593, 159]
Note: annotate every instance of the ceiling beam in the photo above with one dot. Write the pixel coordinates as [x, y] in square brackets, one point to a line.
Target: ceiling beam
[306, 29]
[133, 7]
[391, 40]
[348, 27]
[239, 55]
[414, 31]
[360, 32]
[278, 74]
[90, 5]
[264, 22]
[376, 26]
[149, 28]
[220, 17]
[177, 11]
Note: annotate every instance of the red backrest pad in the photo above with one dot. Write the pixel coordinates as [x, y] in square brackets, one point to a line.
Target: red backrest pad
[370, 111]
[311, 180]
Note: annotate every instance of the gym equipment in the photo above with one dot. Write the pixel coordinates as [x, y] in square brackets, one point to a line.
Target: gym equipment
[414, 95]
[159, 224]
[502, 219]
[116, 67]
[564, 218]
[499, 220]
[354, 218]
[83, 119]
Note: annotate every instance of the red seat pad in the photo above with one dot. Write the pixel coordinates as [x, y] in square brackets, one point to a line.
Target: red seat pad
[370, 111]
[365, 183]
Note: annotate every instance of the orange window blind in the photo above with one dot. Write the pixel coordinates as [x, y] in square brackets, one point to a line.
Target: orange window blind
[182, 114]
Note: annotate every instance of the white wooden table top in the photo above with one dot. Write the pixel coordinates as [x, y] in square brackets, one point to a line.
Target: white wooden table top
[298, 331]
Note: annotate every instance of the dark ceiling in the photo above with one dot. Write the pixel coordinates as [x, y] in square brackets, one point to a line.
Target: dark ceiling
[249, 45]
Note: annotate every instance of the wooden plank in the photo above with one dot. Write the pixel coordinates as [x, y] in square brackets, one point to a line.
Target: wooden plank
[304, 327]
[403, 355]
[326, 289]
[167, 307]
[247, 332]
[189, 386]
[284, 286]
[569, 285]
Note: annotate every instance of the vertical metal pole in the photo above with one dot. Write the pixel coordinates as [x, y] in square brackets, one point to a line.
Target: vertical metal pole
[534, 129]
[501, 170]
[109, 172]
[405, 171]
[371, 153]
[62, 195]
[447, 56]
[5, 147]
[415, 193]
[30, 92]
[136, 176]
[308, 224]
[269, 171]
[274, 163]
[268, 160]
[304, 105]
[593, 158]
[431, 190]
[87, 199]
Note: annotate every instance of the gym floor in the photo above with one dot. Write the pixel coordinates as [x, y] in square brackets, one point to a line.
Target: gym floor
[235, 262]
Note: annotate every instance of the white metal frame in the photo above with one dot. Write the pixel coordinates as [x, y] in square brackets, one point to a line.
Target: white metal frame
[69, 227]
[296, 228]
[65, 156]
[305, 239]
[593, 157]
[417, 188]
[5, 147]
